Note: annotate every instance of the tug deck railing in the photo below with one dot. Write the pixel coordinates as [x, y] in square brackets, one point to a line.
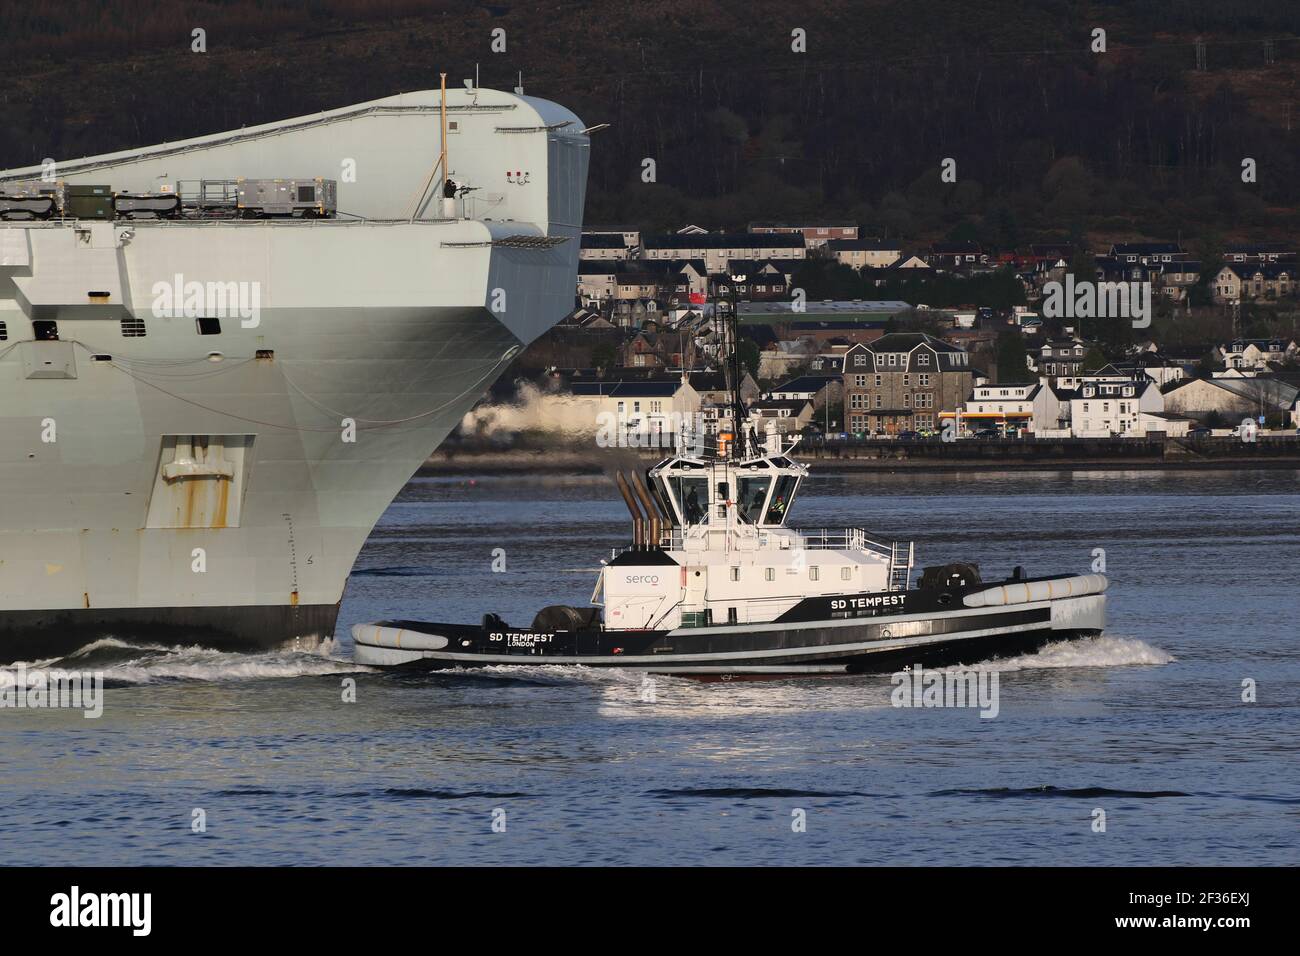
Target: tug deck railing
[899, 554]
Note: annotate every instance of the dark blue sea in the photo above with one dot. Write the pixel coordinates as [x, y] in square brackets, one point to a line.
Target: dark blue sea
[1146, 724]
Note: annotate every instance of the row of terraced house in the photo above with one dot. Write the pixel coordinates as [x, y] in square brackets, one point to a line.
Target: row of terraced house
[620, 265]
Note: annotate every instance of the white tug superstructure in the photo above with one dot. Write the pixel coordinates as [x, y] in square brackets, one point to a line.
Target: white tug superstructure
[722, 522]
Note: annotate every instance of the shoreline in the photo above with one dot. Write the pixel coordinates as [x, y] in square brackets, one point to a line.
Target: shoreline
[595, 462]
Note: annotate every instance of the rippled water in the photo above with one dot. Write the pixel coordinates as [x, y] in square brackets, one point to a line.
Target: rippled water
[1145, 723]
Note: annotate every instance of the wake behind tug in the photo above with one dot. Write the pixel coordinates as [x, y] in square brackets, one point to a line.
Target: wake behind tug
[716, 585]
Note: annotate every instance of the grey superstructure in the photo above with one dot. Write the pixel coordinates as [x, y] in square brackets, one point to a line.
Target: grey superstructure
[165, 476]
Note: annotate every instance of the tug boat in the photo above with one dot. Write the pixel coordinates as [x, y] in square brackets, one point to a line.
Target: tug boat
[716, 585]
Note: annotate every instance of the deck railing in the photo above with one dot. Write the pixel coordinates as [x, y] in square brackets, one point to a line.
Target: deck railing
[815, 539]
[899, 554]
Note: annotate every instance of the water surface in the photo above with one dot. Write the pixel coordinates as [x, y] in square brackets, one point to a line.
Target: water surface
[1146, 723]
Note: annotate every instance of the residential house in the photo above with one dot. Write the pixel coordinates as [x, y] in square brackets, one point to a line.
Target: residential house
[1101, 409]
[631, 235]
[641, 284]
[749, 279]
[1257, 353]
[596, 281]
[833, 359]
[781, 357]
[813, 387]
[1258, 252]
[1175, 279]
[826, 392]
[642, 413]
[686, 280]
[1062, 358]
[1122, 269]
[956, 255]
[911, 262]
[1150, 365]
[814, 234]
[1148, 253]
[788, 415]
[712, 387]
[647, 314]
[903, 381]
[653, 349]
[1014, 408]
[865, 253]
[719, 248]
[1237, 282]
[583, 318]
[602, 246]
[1046, 257]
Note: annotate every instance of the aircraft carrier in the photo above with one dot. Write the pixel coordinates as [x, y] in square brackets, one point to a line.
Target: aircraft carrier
[222, 358]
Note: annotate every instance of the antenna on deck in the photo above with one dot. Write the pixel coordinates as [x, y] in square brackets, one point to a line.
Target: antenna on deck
[725, 315]
[441, 164]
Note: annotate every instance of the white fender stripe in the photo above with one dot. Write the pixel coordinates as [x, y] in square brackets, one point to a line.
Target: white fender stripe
[1077, 586]
[398, 638]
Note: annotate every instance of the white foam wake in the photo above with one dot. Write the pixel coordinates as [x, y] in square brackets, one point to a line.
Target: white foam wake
[201, 664]
[103, 644]
[127, 663]
[1104, 651]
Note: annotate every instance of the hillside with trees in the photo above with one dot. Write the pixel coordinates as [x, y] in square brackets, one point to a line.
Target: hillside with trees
[1049, 137]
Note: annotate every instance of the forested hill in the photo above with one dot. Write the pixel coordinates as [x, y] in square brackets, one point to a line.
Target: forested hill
[1049, 137]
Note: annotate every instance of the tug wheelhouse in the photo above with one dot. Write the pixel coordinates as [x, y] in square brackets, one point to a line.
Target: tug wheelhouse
[758, 492]
[722, 523]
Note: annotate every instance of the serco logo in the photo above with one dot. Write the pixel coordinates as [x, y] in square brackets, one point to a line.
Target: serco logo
[643, 579]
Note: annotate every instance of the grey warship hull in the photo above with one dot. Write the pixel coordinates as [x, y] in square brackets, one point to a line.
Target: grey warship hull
[160, 480]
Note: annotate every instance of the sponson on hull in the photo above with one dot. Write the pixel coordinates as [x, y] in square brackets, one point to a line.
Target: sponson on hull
[716, 584]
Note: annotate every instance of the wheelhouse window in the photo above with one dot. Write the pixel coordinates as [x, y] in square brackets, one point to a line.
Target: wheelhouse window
[692, 496]
[753, 495]
[782, 498]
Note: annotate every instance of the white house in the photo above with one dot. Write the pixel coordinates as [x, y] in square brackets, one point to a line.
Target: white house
[1257, 353]
[638, 414]
[787, 415]
[1146, 365]
[1113, 407]
[1012, 408]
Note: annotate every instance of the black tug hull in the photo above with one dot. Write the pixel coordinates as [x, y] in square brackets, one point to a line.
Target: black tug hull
[915, 627]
